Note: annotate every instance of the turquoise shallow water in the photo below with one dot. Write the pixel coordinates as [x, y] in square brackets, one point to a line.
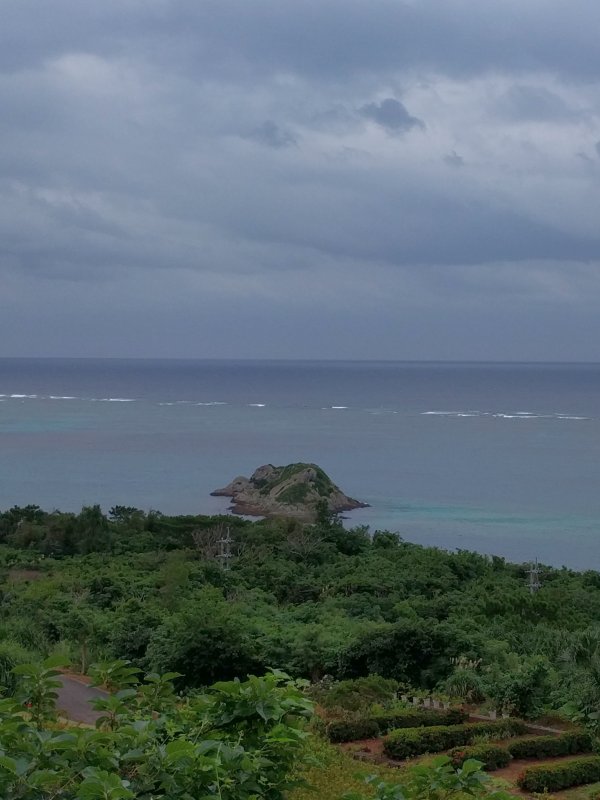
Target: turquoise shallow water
[503, 459]
[559, 540]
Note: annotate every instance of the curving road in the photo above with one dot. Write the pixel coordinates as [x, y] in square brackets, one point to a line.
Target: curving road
[74, 698]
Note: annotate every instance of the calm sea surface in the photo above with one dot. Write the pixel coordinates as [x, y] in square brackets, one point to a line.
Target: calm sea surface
[499, 458]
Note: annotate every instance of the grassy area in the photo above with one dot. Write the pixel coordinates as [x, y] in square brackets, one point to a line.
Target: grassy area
[580, 792]
[334, 773]
[294, 494]
[501, 784]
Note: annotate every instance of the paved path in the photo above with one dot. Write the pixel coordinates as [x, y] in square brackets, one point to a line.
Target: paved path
[74, 700]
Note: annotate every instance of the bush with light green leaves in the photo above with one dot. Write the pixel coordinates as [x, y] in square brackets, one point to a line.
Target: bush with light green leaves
[438, 780]
[237, 741]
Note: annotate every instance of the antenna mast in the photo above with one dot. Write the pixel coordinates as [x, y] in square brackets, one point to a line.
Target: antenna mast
[225, 553]
[534, 577]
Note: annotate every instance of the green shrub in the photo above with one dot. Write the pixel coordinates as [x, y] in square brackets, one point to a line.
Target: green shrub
[522, 690]
[416, 741]
[492, 756]
[355, 694]
[11, 655]
[293, 494]
[554, 777]
[236, 741]
[379, 724]
[352, 730]
[419, 718]
[465, 683]
[566, 744]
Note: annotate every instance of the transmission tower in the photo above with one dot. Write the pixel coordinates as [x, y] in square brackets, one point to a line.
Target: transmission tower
[534, 577]
[225, 555]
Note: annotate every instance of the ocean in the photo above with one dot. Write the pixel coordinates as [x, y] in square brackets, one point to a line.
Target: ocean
[498, 458]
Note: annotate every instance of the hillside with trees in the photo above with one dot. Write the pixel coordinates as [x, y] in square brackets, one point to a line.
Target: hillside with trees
[314, 600]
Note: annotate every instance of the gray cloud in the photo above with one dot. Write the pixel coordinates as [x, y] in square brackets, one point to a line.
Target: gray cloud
[534, 103]
[391, 115]
[453, 159]
[272, 135]
[197, 178]
[234, 37]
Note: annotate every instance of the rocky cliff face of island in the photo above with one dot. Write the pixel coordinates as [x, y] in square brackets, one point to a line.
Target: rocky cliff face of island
[296, 490]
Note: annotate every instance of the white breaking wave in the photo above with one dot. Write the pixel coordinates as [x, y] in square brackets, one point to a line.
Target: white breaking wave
[23, 396]
[196, 403]
[257, 405]
[454, 413]
[502, 415]
[521, 416]
[61, 397]
[569, 416]
[112, 399]
[338, 407]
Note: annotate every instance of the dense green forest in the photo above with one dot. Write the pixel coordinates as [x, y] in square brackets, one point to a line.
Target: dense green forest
[314, 600]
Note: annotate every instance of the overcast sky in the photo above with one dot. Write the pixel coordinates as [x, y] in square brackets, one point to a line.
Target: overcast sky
[300, 178]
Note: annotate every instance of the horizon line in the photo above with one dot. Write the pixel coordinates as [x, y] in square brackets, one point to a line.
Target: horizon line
[281, 359]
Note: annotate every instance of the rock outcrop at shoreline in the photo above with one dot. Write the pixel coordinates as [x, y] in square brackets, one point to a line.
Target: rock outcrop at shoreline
[296, 490]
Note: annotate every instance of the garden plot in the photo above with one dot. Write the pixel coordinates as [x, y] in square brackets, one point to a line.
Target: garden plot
[525, 765]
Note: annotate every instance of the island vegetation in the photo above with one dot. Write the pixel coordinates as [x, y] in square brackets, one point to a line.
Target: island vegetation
[371, 623]
[296, 490]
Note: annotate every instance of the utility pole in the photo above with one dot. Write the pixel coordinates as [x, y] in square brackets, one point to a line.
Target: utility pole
[225, 553]
[534, 577]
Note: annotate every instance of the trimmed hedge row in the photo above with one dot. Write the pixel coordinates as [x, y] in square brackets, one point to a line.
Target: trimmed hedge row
[370, 727]
[352, 730]
[554, 777]
[493, 756]
[416, 741]
[569, 743]
[420, 718]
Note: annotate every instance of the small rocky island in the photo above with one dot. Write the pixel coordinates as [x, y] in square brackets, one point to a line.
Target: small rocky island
[296, 490]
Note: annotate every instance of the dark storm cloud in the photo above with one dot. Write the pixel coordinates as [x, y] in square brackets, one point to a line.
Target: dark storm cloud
[392, 115]
[181, 174]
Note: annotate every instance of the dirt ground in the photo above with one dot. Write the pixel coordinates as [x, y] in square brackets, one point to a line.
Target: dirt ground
[368, 750]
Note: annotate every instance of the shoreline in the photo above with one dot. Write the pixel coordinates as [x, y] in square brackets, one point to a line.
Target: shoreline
[515, 542]
[239, 508]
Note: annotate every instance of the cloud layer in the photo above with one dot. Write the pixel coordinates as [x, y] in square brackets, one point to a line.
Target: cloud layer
[275, 179]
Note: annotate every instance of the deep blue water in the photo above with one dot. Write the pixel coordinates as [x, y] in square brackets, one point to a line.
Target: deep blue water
[500, 458]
